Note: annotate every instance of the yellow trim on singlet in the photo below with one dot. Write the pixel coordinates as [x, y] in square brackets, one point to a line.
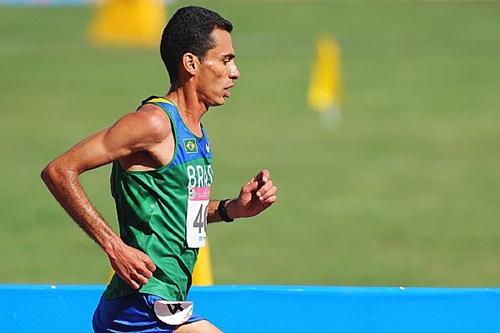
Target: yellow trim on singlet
[161, 100]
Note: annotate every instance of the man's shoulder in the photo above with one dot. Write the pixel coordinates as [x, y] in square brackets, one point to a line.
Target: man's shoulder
[150, 107]
[153, 119]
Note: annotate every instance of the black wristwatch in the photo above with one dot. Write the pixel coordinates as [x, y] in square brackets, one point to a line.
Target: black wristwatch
[221, 209]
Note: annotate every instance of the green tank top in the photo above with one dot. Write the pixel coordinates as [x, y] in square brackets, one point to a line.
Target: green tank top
[153, 208]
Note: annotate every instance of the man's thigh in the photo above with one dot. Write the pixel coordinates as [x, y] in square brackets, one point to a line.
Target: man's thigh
[202, 326]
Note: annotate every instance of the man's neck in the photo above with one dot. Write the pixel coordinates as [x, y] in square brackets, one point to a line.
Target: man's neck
[190, 107]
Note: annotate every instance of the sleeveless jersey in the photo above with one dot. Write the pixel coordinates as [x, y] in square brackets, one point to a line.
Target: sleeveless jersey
[163, 212]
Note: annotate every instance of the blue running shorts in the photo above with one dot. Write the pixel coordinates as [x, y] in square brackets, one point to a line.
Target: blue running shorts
[132, 313]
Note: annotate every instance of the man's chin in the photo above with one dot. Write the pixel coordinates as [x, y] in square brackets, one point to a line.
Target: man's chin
[218, 102]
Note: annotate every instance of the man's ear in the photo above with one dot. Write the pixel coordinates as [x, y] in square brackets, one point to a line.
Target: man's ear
[190, 63]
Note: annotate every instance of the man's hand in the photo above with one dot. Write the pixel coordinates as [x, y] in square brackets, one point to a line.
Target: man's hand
[255, 196]
[132, 265]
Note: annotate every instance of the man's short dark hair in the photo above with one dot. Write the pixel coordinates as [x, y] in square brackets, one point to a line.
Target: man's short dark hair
[189, 30]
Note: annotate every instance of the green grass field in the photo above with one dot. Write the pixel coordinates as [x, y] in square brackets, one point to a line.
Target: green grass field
[405, 192]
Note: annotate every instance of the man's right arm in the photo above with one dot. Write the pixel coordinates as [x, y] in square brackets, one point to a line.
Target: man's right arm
[138, 131]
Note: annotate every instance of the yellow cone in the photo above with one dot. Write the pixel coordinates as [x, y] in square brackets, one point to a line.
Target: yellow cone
[325, 82]
[202, 274]
[129, 22]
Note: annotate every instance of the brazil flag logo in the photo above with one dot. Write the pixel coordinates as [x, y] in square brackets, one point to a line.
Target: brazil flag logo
[190, 146]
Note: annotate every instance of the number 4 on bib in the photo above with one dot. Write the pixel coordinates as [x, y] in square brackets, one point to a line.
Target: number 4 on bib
[196, 219]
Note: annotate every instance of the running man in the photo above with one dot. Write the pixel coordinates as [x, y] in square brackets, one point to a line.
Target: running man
[161, 179]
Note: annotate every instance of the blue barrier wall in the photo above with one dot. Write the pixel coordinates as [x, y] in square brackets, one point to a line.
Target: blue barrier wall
[41, 308]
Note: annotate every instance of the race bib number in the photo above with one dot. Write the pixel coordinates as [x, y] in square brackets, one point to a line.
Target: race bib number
[196, 219]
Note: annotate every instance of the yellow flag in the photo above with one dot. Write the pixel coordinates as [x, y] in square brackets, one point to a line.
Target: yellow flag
[129, 22]
[325, 82]
[202, 274]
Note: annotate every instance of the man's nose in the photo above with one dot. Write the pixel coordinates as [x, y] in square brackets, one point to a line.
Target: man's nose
[234, 73]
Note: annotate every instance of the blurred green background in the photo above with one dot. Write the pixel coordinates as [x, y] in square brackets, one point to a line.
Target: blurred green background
[405, 192]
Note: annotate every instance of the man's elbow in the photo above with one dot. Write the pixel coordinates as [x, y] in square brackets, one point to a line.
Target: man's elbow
[51, 173]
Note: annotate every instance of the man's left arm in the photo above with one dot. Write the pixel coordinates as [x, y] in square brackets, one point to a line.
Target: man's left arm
[255, 196]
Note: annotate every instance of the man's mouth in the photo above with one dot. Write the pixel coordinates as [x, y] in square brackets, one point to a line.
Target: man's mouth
[227, 93]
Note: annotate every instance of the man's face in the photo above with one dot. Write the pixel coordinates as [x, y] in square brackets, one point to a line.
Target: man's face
[218, 70]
